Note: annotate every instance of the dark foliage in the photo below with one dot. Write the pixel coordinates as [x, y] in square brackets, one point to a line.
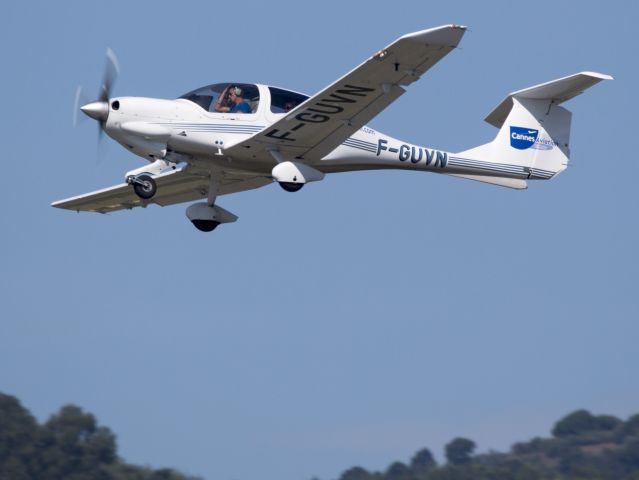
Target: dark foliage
[459, 451]
[72, 446]
[69, 446]
[422, 463]
[583, 447]
[582, 421]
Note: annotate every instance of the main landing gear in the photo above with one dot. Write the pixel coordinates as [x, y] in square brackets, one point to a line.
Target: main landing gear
[206, 216]
[292, 176]
[290, 186]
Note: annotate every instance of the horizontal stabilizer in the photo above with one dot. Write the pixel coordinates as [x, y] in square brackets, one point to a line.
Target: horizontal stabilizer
[516, 183]
[558, 91]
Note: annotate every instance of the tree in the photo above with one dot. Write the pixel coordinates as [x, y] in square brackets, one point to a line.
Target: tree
[73, 444]
[575, 423]
[398, 471]
[607, 422]
[423, 462]
[70, 446]
[459, 451]
[582, 421]
[631, 427]
[17, 431]
[355, 473]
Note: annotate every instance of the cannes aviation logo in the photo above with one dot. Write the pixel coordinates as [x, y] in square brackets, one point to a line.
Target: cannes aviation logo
[522, 138]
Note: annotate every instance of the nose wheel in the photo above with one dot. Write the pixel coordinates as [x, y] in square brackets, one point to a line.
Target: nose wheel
[143, 186]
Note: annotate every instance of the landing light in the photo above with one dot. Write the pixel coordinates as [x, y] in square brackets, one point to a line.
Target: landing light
[380, 55]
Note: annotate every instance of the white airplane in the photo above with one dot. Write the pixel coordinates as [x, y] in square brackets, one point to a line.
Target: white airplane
[230, 137]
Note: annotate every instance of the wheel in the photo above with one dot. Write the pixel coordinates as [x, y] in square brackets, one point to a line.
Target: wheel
[291, 187]
[144, 187]
[205, 225]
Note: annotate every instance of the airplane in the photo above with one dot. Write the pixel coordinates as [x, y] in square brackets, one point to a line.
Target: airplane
[231, 137]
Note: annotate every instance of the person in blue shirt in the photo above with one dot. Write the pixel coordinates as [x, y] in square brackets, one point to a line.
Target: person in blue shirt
[237, 104]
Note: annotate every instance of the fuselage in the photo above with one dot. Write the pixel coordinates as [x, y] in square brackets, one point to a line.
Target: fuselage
[190, 128]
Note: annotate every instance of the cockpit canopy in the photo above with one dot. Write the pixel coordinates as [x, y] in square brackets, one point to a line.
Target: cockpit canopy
[213, 98]
[242, 98]
[283, 101]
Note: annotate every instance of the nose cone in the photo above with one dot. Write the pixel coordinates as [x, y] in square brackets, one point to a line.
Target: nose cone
[97, 110]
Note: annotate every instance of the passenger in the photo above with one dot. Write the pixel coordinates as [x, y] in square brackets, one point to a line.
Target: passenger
[232, 101]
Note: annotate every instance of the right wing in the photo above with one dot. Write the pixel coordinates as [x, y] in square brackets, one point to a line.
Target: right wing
[185, 184]
[324, 121]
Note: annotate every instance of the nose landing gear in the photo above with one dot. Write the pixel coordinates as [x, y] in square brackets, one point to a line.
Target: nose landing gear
[143, 186]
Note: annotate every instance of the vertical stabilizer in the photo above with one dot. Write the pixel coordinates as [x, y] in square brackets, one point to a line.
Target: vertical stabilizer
[534, 130]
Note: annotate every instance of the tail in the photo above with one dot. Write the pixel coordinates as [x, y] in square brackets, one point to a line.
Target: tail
[534, 135]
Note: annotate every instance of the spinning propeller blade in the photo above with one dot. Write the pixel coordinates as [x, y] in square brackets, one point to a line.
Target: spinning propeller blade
[111, 72]
[99, 109]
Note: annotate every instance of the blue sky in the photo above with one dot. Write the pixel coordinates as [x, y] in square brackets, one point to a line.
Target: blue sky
[354, 322]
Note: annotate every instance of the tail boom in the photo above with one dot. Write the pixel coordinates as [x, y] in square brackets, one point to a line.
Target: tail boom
[532, 142]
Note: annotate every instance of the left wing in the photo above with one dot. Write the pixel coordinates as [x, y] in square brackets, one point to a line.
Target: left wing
[324, 121]
[185, 184]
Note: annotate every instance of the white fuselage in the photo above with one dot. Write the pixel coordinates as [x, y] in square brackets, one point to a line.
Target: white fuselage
[156, 129]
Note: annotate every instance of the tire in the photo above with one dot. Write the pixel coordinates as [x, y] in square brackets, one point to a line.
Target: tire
[144, 187]
[291, 187]
[205, 225]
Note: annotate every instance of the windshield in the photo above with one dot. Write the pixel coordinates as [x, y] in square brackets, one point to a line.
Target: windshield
[226, 97]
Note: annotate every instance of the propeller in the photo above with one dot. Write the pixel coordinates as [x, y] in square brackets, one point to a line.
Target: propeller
[111, 72]
[80, 99]
[99, 109]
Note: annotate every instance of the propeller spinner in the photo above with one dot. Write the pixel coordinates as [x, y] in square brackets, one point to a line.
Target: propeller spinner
[99, 109]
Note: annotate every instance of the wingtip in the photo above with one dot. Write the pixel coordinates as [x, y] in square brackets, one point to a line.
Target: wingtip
[601, 76]
[446, 35]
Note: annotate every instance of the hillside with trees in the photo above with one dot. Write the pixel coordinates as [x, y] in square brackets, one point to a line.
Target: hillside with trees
[71, 445]
[583, 446]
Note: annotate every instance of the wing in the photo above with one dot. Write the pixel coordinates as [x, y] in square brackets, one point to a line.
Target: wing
[324, 121]
[185, 184]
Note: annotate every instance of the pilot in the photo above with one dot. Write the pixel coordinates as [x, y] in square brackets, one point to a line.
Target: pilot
[237, 103]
